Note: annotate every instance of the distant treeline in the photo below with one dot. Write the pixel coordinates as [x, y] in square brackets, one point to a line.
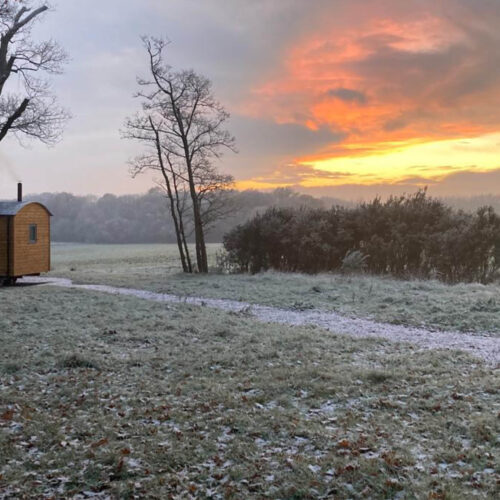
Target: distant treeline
[472, 203]
[406, 236]
[145, 219]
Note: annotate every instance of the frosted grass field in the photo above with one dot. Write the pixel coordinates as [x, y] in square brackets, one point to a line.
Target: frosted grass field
[104, 396]
[123, 258]
[429, 304]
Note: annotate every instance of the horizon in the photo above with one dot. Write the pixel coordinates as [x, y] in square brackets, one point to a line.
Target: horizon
[315, 195]
[333, 99]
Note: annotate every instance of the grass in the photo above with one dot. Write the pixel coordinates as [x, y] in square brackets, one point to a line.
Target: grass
[114, 396]
[430, 304]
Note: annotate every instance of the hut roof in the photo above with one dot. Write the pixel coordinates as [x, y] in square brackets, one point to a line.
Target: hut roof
[13, 207]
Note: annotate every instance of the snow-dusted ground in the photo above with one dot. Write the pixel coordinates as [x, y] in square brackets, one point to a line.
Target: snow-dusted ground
[485, 347]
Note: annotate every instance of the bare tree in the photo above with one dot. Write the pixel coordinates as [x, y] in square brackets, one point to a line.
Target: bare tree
[190, 124]
[143, 128]
[32, 112]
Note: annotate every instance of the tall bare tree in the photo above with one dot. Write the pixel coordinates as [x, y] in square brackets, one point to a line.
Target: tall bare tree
[143, 128]
[190, 124]
[33, 111]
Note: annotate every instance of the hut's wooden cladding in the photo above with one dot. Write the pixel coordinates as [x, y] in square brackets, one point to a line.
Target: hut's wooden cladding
[3, 246]
[24, 239]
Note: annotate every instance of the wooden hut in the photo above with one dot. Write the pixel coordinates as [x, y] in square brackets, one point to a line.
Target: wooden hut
[24, 239]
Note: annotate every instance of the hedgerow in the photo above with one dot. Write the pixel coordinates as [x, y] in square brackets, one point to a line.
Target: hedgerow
[405, 236]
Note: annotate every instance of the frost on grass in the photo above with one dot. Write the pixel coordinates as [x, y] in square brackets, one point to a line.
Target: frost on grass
[110, 396]
[427, 304]
[485, 347]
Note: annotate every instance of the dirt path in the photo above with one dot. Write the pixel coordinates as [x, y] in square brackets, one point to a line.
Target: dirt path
[487, 348]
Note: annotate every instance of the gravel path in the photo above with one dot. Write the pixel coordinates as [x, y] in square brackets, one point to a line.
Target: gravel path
[487, 348]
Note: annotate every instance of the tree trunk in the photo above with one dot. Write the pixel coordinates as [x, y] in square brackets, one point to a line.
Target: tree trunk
[201, 246]
[201, 250]
[181, 224]
[185, 267]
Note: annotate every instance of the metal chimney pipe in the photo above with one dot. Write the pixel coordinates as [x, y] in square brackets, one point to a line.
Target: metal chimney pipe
[19, 192]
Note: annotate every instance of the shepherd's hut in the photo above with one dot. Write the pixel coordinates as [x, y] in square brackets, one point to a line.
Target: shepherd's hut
[24, 239]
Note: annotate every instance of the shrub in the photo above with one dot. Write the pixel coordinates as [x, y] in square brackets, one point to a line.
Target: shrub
[354, 262]
[411, 235]
[223, 263]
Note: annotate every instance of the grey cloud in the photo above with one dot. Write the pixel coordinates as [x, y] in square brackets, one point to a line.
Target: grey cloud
[471, 182]
[395, 124]
[408, 73]
[269, 138]
[348, 95]
[441, 77]
[467, 183]
[409, 117]
[264, 144]
[416, 181]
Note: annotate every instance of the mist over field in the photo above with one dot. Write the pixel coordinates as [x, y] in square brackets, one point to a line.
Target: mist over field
[145, 218]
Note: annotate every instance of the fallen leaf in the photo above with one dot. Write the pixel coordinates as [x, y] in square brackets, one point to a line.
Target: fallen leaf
[344, 443]
[7, 415]
[101, 442]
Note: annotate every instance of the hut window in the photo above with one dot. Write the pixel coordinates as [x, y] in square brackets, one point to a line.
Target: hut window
[33, 233]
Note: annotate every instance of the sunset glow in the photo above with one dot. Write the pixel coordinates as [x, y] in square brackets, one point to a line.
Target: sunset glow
[419, 163]
[414, 98]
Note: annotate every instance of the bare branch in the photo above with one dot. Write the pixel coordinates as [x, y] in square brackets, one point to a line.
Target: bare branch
[15, 115]
[33, 113]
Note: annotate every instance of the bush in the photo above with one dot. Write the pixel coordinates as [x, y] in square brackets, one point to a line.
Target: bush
[354, 262]
[223, 264]
[405, 236]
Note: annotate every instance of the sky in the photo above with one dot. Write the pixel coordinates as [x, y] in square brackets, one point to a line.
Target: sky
[349, 98]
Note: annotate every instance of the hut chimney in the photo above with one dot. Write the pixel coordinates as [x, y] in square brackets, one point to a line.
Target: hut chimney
[19, 192]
